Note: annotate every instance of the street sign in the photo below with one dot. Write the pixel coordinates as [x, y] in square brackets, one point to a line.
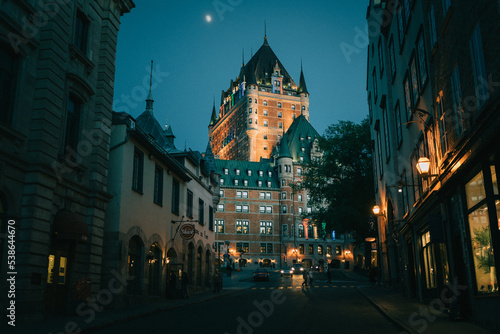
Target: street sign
[187, 231]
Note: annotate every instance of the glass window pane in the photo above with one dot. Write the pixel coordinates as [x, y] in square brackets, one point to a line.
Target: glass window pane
[475, 190]
[482, 251]
[494, 180]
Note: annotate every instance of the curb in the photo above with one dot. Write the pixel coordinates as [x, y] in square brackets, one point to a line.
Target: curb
[393, 319]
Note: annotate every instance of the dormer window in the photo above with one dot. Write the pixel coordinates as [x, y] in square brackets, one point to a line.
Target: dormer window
[261, 173]
[236, 182]
[238, 171]
[259, 183]
[245, 182]
[226, 171]
[221, 182]
[249, 172]
[270, 174]
[269, 184]
[301, 159]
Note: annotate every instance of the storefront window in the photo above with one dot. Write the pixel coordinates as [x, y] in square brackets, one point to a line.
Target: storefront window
[429, 262]
[479, 226]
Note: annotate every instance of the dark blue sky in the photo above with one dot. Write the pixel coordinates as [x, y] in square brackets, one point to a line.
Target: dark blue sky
[195, 59]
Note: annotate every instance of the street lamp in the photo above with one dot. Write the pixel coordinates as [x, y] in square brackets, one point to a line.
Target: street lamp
[377, 211]
[423, 167]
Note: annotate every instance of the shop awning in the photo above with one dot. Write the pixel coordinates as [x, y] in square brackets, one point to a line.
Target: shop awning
[70, 226]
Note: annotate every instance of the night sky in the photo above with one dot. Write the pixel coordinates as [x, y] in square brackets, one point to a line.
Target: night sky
[197, 48]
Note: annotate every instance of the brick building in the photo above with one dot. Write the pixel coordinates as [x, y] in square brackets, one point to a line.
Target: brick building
[56, 92]
[434, 102]
[257, 107]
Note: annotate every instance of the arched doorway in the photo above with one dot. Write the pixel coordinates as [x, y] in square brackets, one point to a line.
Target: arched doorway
[154, 268]
[207, 268]
[135, 264]
[199, 253]
[190, 266]
[174, 272]
[266, 263]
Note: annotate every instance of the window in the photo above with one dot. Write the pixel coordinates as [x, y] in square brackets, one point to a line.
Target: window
[387, 142]
[236, 182]
[320, 249]
[293, 107]
[244, 194]
[226, 171]
[210, 218]
[430, 267]
[401, 27]
[8, 78]
[268, 195]
[283, 195]
[73, 116]
[249, 171]
[219, 226]
[265, 103]
[301, 249]
[81, 32]
[283, 183]
[328, 250]
[261, 173]
[269, 248]
[175, 196]
[301, 159]
[201, 212]
[262, 209]
[221, 193]
[158, 185]
[392, 58]
[279, 115]
[303, 108]
[311, 249]
[238, 208]
[479, 68]
[249, 110]
[269, 209]
[280, 125]
[301, 210]
[189, 206]
[265, 123]
[249, 121]
[456, 91]
[422, 62]
[283, 209]
[221, 207]
[238, 171]
[279, 104]
[249, 100]
[245, 208]
[432, 27]
[309, 209]
[265, 136]
[399, 125]
[414, 81]
[262, 247]
[338, 250]
[380, 57]
[262, 194]
[299, 197]
[138, 170]
[284, 230]
[266, 227]
[238, 194]
[441, 123]
[221, 181]
[269, 184]
[299, 171]
[242, 226]
[408, 99]
[374, 81]
[265, 112]
[259, 183]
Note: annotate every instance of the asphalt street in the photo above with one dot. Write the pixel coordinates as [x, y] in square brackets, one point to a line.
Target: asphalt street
[281, 305]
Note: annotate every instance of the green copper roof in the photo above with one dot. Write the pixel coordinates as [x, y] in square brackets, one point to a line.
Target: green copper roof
[284, 149]
[213, 118]
[302, 83]
[252, 172]
[300, 137]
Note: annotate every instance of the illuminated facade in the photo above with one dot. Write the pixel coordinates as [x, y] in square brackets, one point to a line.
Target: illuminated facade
[256, 109]
[433, 97]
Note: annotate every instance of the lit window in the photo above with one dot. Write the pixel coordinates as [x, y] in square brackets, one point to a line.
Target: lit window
[265, 112]
[220, 207]
[279, 104]
[268, 195]
[280, 125]
[293, 106]
[265, 123]
[265, 103]
[279, 115]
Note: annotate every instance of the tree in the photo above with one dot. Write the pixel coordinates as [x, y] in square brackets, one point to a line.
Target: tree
[341, 182]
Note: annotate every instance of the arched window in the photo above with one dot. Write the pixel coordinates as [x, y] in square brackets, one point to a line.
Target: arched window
[135, 264]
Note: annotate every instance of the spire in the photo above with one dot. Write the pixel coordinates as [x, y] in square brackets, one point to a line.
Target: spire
[284, 149]
[265, 33]
[213, 118]
[149, 100]
[302, 81]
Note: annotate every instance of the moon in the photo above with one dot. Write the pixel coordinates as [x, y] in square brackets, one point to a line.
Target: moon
[208, 18]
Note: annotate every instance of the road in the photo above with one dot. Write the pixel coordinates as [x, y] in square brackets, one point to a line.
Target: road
[278, 306]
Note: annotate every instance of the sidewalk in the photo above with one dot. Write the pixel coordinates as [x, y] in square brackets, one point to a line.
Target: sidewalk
[108, 317]
[413, 317]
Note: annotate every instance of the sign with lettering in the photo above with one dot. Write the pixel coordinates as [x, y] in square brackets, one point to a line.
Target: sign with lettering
[187, 231]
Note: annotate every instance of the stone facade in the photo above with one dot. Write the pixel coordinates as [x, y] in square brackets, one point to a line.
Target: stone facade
[57, 87]
[432, 93]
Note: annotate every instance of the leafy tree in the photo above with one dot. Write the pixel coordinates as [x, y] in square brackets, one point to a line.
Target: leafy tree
[341, 183]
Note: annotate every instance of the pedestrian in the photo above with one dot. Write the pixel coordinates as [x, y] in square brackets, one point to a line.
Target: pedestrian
[329, 276]
[172, 282]
[217, 281]
[184, 284]
[310, 278]
[304, 276]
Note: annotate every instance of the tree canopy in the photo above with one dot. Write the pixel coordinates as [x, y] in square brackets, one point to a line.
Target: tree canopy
[341, 183]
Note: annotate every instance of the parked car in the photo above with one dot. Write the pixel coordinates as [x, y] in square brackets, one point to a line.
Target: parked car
[286, 271]
[261, 274]
[297, 269]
